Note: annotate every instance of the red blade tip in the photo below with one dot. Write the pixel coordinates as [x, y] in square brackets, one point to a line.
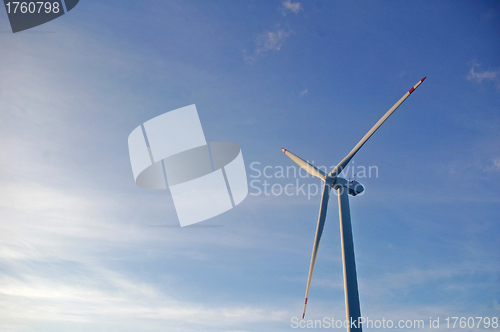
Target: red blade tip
[303, 315]
[423, 79]
[283, 149]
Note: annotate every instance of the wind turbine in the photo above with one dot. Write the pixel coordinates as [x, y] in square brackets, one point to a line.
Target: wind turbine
[343, 187]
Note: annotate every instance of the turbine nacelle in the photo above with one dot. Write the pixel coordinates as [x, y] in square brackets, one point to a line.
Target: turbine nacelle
[353, 187]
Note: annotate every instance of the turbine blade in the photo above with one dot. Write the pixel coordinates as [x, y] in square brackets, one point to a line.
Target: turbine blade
[338, 169]
[305, 165]
[317, 238]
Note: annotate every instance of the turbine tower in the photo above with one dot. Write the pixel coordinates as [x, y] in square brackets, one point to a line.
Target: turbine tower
[344, 188]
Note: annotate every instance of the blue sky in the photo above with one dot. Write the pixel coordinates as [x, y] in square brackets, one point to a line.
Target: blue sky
[82, 248]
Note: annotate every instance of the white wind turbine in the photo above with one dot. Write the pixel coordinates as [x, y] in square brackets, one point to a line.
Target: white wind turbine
[343, 188]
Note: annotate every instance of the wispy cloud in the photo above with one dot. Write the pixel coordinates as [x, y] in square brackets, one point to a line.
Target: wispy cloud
[447, 278]
[304, 92]
[265, 42]
[106, 298]
[55, 251]
[483, 76]
[270, 41]
[68, 245]
[495, 165]
[291, 7]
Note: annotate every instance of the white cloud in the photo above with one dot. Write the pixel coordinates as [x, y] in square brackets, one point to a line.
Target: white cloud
[480, 76]
[496, 165]
[55, 248]
[101, 296]
[265, 42]
[291, 7]
[304, 92]
[62, 235]
[270, 40]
